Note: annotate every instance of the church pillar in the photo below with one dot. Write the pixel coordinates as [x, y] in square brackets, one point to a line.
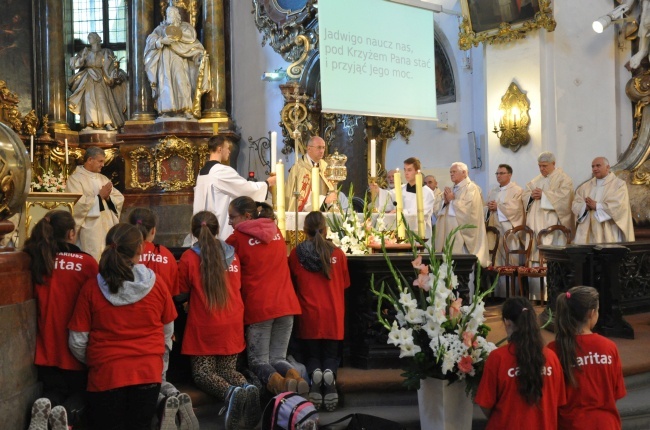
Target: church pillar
[214, 102]
[140, 22]
[53, 67]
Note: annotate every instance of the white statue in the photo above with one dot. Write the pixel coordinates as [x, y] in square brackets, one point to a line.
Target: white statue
[177, 67]
[643, 32]
[98, 88]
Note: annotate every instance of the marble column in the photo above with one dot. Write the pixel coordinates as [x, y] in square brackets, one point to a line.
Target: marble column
[53, 66]
[214, 102]
[140, 22]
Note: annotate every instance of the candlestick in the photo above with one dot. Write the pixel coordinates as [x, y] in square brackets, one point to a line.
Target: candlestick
[373, 158]
[419, 197]
[31, 148]
[315, 188]
[274, 150]
[279, 176]
[401, 229]
[66, 153]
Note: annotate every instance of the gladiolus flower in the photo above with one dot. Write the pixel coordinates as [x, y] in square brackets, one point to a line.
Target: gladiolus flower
[468, 338]
[423, 281]
[454, 308]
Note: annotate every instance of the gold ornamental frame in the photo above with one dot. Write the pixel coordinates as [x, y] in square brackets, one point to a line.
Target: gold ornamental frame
[503, 32]
[169, 147]
[138, 155]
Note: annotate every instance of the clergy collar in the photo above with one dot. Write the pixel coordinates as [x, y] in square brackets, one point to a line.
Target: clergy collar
[506, 186]
[312, 162]
[462, 183]
[87, 172]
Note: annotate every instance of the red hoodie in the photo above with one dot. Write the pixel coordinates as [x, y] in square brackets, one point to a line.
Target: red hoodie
[266, 285]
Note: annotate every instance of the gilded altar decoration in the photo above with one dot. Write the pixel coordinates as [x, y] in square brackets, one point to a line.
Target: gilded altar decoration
[294, 71]
[493, 23]
[297, 124]
[38, 204]
[389, 127]
[174, 158]
[438, 336]
[142, 173]
[191, 6]
[280, 26]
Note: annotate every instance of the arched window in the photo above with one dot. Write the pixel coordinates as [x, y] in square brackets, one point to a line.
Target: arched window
[104, 17]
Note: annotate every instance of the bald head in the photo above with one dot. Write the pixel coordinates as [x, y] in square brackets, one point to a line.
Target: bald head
[431, 182]
[316, 148]
[600, 167]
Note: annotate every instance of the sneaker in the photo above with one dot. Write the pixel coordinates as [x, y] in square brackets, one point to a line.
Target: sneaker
[186, 413]
[168, 418]
[331, 397]
[40, 414]
[315, 395]
[58, 418]
[235, 403]
[253, 412]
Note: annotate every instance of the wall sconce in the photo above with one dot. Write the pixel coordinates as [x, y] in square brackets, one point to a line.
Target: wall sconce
[513, 119]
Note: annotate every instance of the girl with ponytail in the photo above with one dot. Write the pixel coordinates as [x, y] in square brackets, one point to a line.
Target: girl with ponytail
[214, 334]
[121, 324]
[270, 300]
[59, 270]
[592, 367]
[320, 275]
[522, 384]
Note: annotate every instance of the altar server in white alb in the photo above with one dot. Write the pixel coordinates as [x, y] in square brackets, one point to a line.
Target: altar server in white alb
[547, 200]
[100, 204]
[463, 204]
[218, 184]
[410, 205]
[505, 209]
[602, 207]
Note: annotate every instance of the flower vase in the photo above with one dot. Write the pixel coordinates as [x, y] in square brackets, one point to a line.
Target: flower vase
[443, 406]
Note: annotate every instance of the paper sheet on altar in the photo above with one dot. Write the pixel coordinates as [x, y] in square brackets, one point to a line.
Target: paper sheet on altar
[389, 220]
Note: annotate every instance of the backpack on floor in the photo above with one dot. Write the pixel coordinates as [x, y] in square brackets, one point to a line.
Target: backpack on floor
[289, 411]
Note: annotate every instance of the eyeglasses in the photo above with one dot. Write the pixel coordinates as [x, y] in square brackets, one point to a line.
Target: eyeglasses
[317, 147]
[502, 173]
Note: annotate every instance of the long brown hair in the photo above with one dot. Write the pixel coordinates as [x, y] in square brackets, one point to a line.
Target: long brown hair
[572, 312]
[315, 227]
[245, 205]
[528, 343]
[205, 227]
[47, 239]
[144, 219]
[116, 263]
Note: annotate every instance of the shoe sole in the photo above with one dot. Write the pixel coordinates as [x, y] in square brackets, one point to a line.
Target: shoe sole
[40, 414]
[302, 388]
[235, 412]
[186, 412]
[331, 401]
[316, 399]
[253, 412]
[290, 385]
[168, 420]
[58, 418]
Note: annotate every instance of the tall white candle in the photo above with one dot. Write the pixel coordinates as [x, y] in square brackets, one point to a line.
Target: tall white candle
[66, 153]
[279, 174]
[31, 148]
[274, 150]
[401, 229]
[315, 188]
[373, 158]
[419, 197]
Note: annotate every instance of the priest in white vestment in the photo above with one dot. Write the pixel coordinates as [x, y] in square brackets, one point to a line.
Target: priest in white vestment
[383, 201]
[547, 200]
[300, 179]
[100, 205]
[410, 207]
[432, 183]
[218, 184]
[463, 204]
[505, 211]
[602, 207]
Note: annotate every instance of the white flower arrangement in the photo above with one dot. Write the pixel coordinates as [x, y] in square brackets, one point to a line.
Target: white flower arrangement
[49, 182]
[437, 336]
[347, 231]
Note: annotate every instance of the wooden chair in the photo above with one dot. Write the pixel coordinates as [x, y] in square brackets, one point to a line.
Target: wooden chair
[525, 237]
[488, 276]
[540, 271]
